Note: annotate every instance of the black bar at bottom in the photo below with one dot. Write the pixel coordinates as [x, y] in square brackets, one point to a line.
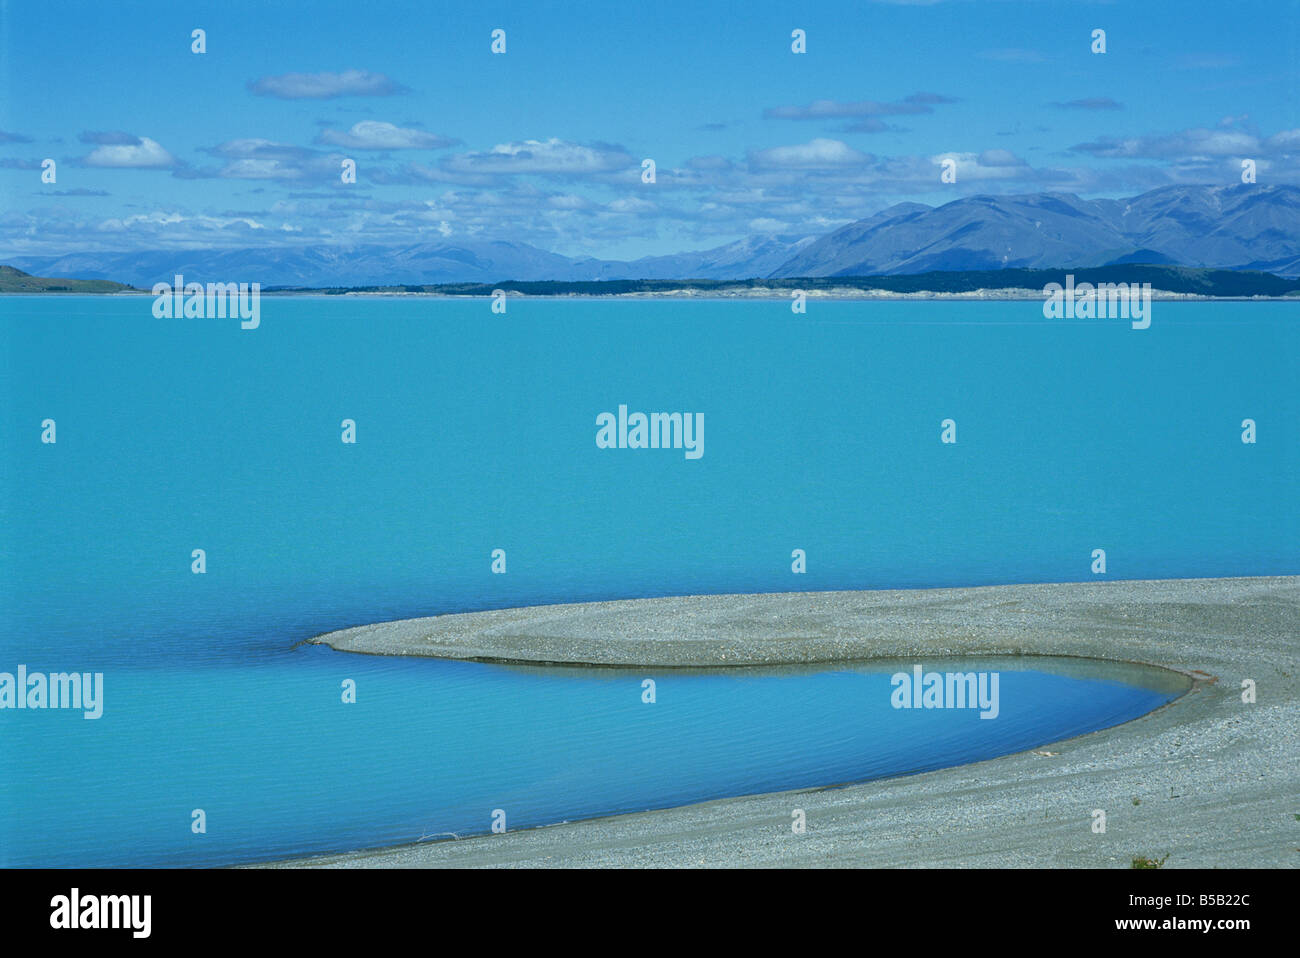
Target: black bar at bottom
[339, 907]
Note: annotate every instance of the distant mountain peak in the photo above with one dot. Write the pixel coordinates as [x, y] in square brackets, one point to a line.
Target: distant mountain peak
[1241, 226]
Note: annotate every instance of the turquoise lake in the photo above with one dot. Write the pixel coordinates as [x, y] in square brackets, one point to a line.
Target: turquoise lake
[477, 432]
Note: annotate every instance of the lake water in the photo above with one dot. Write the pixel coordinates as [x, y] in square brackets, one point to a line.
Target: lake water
[478, 432]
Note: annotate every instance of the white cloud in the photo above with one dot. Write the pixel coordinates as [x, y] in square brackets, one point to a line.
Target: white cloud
[818, 154]
[147, 154]
[988, 165]
[170, 220]
[999, 158]
[1286, 141]
[551, 156]
[256, 148]
[1182, 145]
[377, 135]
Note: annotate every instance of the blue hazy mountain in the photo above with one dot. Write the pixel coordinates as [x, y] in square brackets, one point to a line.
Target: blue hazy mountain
[436, 262]
[314, 266]
[1237, 227]
[1234, 227]
[747, 258]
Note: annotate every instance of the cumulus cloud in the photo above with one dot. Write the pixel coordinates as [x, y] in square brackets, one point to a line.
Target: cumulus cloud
[1189, 144]
[376, 135]
[6, 137]
[1288, 141]
[988, 165]
[143, 154]
[818, 154]
[256, 148]
[254, 158]
[172, 219]
[553, 157]
[325, 86]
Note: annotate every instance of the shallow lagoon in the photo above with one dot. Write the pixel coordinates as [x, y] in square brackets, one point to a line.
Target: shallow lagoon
[281, 767]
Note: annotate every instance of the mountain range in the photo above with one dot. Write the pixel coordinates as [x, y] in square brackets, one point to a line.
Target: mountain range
[1229, 227]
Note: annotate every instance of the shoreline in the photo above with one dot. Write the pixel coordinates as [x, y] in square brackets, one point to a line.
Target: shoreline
[1207, 780]
[790, 628]
[783, 295]
[1005, 295]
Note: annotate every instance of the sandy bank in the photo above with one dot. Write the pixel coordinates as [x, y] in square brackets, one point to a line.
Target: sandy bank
[1207, 780]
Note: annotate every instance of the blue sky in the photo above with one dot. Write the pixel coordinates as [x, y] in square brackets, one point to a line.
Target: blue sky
[157, 147]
